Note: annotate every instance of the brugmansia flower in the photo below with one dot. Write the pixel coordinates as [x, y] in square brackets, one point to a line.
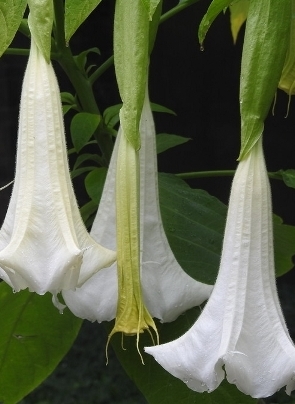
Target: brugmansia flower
[241, 331]
[43, 240]
[167, 290]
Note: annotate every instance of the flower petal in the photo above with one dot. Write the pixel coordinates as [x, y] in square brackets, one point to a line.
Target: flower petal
[43, 239]
[242, 326]
[167, 290]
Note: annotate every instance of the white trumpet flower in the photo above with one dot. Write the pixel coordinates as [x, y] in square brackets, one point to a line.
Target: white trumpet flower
[167, 290]
[241, 327]
[43, 240]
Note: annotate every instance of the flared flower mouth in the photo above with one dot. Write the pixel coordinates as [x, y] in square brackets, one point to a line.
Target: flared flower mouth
[43, 240]
[167, 290]
[241, 327]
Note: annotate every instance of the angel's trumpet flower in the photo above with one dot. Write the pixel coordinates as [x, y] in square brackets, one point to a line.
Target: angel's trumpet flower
[43, 240]
[241, 331]
[167, 290]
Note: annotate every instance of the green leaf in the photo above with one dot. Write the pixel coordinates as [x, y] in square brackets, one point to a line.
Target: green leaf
[194, 224]
[284, 240]
[264, 51]
[72, 150]
[11, 14]
[82, 170]
[34, 338]
[86, 157]
[94, 183]
[40, 22]
[159, 386]
[81, 59]
[288, 177]
[111, 115]
[83, 126]
[66, 108]
[161, 108]
[67, 98]
[166, 141]
[215, 8]
[76, 12]
[238, 15]
[87, 212]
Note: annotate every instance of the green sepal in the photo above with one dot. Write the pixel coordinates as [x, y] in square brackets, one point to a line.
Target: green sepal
[151, 6]
[131, 47]
[287, 80]
[11, 14]
[215, 8]
[40, 22]
[265, 46]
[238, 15]
[154, 24]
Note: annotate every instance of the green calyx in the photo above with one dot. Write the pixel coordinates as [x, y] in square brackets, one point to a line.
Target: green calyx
[40, 22]
[265, 46]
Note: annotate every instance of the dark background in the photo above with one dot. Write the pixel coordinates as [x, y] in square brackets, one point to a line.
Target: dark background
[203, 89]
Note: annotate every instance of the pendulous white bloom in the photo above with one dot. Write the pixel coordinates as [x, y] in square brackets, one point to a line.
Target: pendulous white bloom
[43, 240]
[241, 327]
[167, 290]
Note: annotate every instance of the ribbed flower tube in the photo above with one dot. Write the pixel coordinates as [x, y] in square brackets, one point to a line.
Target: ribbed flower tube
[167, 290]
[241, 333]
[43, 240]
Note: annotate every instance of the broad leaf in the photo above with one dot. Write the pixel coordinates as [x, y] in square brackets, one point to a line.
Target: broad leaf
[34, 338]
[94, 183]
[215, 8]
[284, 241]
[83, 126]
[87, 212]
[86, 157]
[111, 114]
[82, 170]
[67, 98]
[76, 12]
[81, 59]
[11, 14]
[166, 141]
[194, 223]
[288, 177]
[161, 108]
